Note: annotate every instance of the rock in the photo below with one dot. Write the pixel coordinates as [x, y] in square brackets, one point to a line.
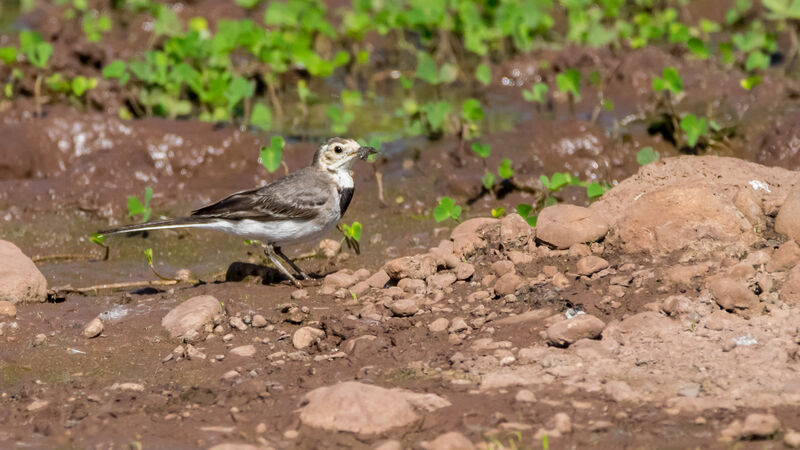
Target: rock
[299, 294]
[93, 328]
[503, 267]
[518, 258]
[748, 205]
[236, 446]
[619, 391]
[676, 304]
[191, 315]
[788, 220]
[237, 323]
[378, 279]
[464, 270]
[330, 247]
[472, 226]
[591, 264]
[790, 292]
[563, 423]
[7, 309]
[259, 321]
[698, 216]
[20, 279]
[37, 405]
[507, 284]
[339, 280]
[760, 426]
[458, 325]
[564, 225]
[567, 332]
[412, 285]
[441, 280]
[514, 231]
[361, 274]
[438, 325]
[362, 408]
[418, 267]
[245, 351]
[135, 387]
[450, 441]
[193, 352]
[388, 445]
[785, 257]
[306, 336]
[230, 375]
[792, 439]
[525, 396]
[444, 257]
[467, 236]
[404, 307]
[732, 295]
[360, 288]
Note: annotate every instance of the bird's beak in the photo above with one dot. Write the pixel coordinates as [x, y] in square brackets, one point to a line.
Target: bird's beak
[364, 152]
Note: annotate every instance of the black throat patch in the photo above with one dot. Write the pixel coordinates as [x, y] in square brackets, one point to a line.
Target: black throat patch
[345, 195]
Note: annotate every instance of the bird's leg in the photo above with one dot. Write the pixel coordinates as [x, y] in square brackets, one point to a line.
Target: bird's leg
[270, 252]
[291, 263]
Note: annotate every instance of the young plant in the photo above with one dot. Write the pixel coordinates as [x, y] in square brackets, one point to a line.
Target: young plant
[352, 236]
[526, 212]
[446, 209]
[569, 82]
[646, 156]
[695, 128]
[136, 207]
[537, 93]
[482, 150]
[272, 154]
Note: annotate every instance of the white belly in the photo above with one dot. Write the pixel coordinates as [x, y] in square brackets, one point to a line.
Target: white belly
[278, 233]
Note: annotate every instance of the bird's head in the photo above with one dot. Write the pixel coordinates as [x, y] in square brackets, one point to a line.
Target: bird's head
[340, 154]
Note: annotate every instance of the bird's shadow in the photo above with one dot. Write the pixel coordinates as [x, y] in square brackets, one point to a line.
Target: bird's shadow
[240, 271]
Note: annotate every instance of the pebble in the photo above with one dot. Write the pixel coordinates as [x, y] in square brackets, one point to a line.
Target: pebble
[404, 308]
[259, 321]
[450, 441]
[7, 309]
[93, 328]
[378, 280]
[760, 426]
[591, 264]
[306, 336]
[525, 396]
[230, 375]
[245, 351]
[228, 337]
[299, 294]
[191, 315]
[238, 323]
[193, 353]
[464, 271]
[567, 332]
[458, 325]
[507, 284]
[792, 439]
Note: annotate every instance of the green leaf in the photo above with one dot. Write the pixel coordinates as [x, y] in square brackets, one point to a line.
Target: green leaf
[237, 90]
[436, 113]
[525, 211]
[647, 155]
[135, 207]
[537, 93]
[757, 60]
[353, 231]
[351, 98]
[694, 128]
[698, 48]
[97, 238]
[448, 73]
[81, 84]
[8, 55]
[261, 116]
[595, 189]
[570, 82]
[483, 74]
[498, 212]
[148, 253]
[271, 155]
[488, 180]
[426, 68]
[471, 110]
[248, 4]
[115, 70]
[750, 82]
[482, 150]
[446, 209]
[545, 181]
[504, 170]
[559, 180]
[670, 82]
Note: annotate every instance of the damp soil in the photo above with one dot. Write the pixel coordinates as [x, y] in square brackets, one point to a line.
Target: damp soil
[69, 173]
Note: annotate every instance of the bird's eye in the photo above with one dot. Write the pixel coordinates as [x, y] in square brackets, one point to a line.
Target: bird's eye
[338, 149]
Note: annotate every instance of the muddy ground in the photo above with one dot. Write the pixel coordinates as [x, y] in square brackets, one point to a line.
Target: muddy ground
[674, 365]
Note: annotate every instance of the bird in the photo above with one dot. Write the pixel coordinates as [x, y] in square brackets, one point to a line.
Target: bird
[300, 207]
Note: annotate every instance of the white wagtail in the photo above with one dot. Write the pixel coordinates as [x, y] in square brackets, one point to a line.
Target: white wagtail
[300, 207]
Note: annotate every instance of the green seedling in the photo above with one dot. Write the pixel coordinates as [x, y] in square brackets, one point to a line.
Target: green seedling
[117, 70]
[750, 82]
[488, 180]
[446, 209]
[694, 128]
[537, 93]
[261, 117]
[340, 119]
[596, 190]
[483, 74]
[498, 212]
[148, 253]
[272, 154]
[95, 25]
[136, 207]
[8, 55]
[35, 49]
[248, 4]
[428, 71]
[504, 169]
[757, 60]
[670, 82]
[97, 239]
[435, 114]
[570, 82]
[352, 236]
[698, 48]
[482, 150]
[526, 212]
[646, 156]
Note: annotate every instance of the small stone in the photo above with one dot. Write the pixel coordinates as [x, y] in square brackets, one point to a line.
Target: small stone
[339, 280]
[591, 264]
[238, 323]
[567, 332]
[7, 309]
[438, 325]
[388, 445]
[378, 280]
[792, 439]
[261, 428]
[193, 353]
[245, 351]
[507, 284]
[760, 426]
[785, 257]
[299, 294]
[93, 328]
[259, 321]
[404, 307]
[501, 268]
[20, 279]
[291, 434]
[360, 288]
[39, 339]
[464, 270]
[228, 337]
[458, 325]
[418, 266]
[441, 280]
[563, 423]
[37, 405]
[412, 285]
[230, 375]
[191, 315]
[564, 225]
[306, 336]
[330, 248]
[450, 441]
[525, 396]
[731, 294]
[135, 387]
[788, 219]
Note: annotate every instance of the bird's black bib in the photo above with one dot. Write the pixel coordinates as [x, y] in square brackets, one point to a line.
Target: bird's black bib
[345, 195]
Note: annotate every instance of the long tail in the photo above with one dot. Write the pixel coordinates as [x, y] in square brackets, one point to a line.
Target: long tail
[183, 222]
